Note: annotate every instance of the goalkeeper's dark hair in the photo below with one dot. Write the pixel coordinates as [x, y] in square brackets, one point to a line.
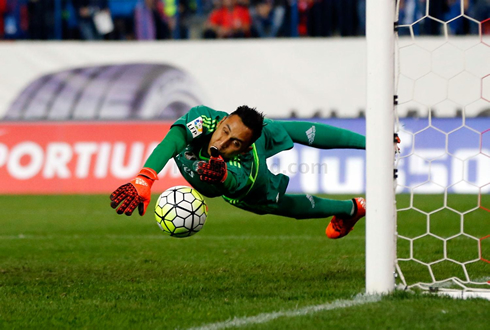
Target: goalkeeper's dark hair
[252, 119]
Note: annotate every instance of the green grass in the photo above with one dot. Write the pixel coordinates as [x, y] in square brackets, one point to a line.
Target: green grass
[71, 262]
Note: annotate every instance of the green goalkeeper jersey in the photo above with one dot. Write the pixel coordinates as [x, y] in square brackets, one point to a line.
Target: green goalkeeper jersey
[250, 180]
[249, 184]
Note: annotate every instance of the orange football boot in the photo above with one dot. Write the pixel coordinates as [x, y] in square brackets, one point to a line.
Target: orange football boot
[339, 227]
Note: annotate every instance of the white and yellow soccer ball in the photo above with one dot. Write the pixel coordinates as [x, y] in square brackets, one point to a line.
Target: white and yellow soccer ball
[181, 211]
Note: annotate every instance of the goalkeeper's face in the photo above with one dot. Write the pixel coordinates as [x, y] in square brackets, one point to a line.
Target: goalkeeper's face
[231, 137]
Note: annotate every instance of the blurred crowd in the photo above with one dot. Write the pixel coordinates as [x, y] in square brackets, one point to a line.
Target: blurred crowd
[475, 11]
[209, 19]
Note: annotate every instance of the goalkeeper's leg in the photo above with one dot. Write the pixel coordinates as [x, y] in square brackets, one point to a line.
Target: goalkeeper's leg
[309, 207]
[301, 206]
[345, 213]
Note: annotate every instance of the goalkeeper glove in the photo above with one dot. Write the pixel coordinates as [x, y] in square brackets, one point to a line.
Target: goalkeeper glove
[213, 171]
[136, 193]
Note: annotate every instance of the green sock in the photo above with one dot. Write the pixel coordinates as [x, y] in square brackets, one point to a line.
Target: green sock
[308, 207]
[323, 136]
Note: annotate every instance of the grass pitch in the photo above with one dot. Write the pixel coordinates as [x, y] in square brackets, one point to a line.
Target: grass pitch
[71, 262]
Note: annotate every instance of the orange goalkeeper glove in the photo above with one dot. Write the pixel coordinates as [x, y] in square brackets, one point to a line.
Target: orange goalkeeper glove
[136, 193]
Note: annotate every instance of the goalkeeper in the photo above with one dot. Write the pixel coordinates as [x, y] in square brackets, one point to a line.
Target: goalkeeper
[223, 154]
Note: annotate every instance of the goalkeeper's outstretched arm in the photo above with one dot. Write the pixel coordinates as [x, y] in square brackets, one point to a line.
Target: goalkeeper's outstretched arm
[173, 143]
[137, 192]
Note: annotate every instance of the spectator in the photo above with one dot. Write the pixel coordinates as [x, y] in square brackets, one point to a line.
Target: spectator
[229, 20]
[437, 9]
[178, 12]
[304, 17]
[361, 16]
[332, 17]
[14, 17]
[3, 11]
[123, 14]
[70, 22]
[150, 21]
[41, 20]
[347, 15]
[480, 10]
[86, 13]
[267, 17]
[322, 18]
[204, 7]
[410, 11]
[457, 26]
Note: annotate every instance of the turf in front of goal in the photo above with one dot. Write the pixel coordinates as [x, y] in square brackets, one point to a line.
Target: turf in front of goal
[71, 262]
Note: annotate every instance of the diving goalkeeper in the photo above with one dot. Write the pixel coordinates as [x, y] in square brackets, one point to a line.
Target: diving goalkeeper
[223, 154]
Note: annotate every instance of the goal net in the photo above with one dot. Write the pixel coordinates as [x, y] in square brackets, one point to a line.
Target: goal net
[442, 84]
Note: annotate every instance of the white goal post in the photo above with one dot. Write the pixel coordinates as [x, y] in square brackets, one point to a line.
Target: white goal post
[380, 216]
[424, 64]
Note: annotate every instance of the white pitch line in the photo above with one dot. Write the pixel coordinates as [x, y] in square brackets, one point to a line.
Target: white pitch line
[165, 237]
[266, 317]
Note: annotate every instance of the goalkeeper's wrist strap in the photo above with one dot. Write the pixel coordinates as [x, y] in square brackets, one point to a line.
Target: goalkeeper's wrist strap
[225, 176]
[149, 173]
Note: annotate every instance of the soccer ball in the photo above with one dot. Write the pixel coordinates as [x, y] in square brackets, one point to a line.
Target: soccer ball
[181, 211]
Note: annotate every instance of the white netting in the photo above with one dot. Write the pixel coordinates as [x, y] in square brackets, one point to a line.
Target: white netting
[443, 203]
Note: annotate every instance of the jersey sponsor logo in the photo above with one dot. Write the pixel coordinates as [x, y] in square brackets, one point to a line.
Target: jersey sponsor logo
[195, 127]
[310, 133]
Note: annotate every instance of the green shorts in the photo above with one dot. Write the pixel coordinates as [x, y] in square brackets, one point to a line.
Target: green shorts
[265, 196]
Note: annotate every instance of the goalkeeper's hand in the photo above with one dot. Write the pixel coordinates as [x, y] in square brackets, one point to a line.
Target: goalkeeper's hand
[136, 193]
[213, 171]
